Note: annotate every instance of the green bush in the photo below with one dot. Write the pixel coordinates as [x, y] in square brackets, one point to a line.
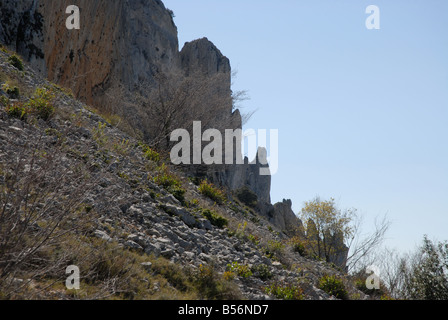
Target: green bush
[360, 284]
[170, 182]
[298, 246]
[242, 270]
[246, 196]
[333, 286]
[177, 192]
[165, 178]
[174, 273]
[212, 192]
[274, 249]
[12, 91]
[262, 272]
[16, 62]
[210, 285]
[4, 101]
[254, 239]
[17, 110]
[41, 103]
[215, 219]
[285, 291]
[150, 153]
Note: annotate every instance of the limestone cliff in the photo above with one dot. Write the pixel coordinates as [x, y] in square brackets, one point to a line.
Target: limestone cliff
[124, 44]
[124, 41]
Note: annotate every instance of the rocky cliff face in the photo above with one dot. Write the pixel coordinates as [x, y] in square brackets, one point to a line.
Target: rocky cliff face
[119, 41]
[21, 28]
[125, 44]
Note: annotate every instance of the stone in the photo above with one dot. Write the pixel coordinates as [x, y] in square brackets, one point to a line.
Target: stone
[285, 219]
[140, 240]
[147, 266]
[153, 249]
[182, 213]
[167, 253]
[133, 245]
[102, 235]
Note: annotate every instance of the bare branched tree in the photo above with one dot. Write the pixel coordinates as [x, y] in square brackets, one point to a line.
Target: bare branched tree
[173, 101]
[41, 197]
[362, 247]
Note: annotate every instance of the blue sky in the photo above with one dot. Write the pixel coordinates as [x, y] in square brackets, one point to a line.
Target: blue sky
[362, 114]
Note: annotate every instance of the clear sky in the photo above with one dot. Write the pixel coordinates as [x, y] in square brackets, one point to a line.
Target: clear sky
[362, 114]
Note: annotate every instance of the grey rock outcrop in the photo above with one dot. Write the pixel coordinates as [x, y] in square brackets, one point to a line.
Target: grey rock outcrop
[285, 218]
[202, 55]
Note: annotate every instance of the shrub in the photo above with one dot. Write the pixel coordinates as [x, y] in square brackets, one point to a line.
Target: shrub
[12, 91]
[254, 239]
[165, 178]
[333, 286]
[246, 196]
[262, 272]
[41, 103]
[242, 270]
[360, 284]
[361, 280]
[17, 110]
[274, 249]
[215, 219]
[178, 193]
[241, 230]
[285, 291]
[175, 275]
[228, 276]
[170, 182]
[213, 287]
[298, 246]
[210, 191]
[16, 62]
[150, 153]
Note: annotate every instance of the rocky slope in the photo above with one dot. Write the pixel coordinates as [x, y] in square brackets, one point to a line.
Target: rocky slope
[120, 52]
[130, 208]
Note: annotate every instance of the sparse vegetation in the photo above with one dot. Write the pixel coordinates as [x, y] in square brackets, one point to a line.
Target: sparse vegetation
[285, 291]
[274, 249]
[215, 219]
[333, 286]
[247, 197]
[40, 105]
[150, 153]
[212, 192]
[12, 91]
[16, 62]
[298, 245]
[242, 270]
[17, 110]
[262, 272]
[166, 179]
[212, 286]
